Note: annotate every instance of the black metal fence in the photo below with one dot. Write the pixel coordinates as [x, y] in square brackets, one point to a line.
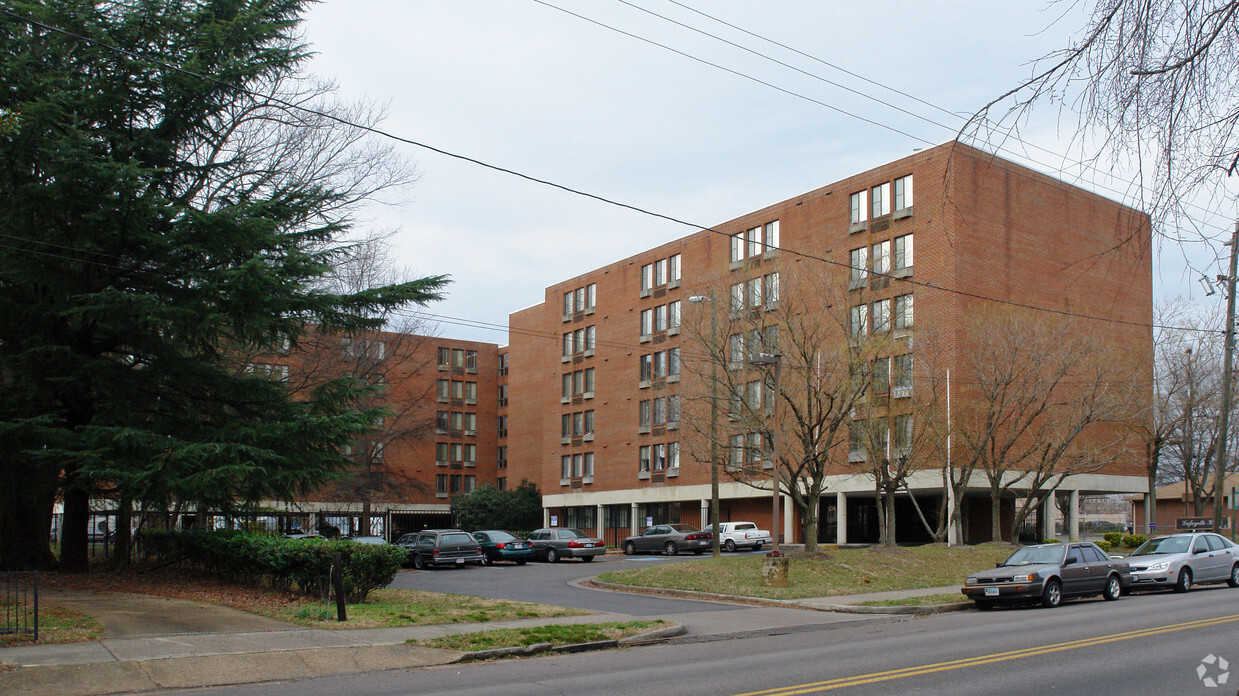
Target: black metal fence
[20, 603]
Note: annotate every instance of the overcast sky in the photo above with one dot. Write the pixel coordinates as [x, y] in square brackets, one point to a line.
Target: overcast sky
[521, 85]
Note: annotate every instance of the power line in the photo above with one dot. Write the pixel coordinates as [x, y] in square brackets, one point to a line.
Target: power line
[408, 141]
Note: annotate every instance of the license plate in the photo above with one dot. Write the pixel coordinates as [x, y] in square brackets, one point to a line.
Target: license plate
[460, 561]
[991, 592]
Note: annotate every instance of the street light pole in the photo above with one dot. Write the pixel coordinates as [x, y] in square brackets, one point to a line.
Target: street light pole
[714, 512]
[1219, 483]
[775, 359]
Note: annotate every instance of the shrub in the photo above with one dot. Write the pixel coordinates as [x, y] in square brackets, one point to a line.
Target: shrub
[1113, 538]
[297, 565]
[1131, 541]
[1104, 545]
[1052, 541]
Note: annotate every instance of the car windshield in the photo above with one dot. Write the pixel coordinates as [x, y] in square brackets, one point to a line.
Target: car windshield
[500, 536]
[1163, 545]
[1030, 555]
[683, 527]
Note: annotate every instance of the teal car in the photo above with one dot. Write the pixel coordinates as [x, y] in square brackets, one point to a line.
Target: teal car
[498, 545]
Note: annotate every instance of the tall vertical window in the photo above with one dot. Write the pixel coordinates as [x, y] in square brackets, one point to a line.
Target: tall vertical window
[568, 305]
[771, 236]
[673, 315]
[660, 272]
[647, 277]
[859, 316]
[644, 413]
[858, 262]
[445, 357]
[881, 375]
[647, 368]
[903, 312]
[737, 297]
[770, 339]
[903, 192]
[881, 199]
[673, 362]
[660, 318]
[579, 299]
[901, 433]
[771, 282]
[735, 348]
[903, 252]
[737, 247]
[753, 246]
[591, 295]
[673, 409]
[673, 456]
[754, 293]
[901, 374]
[882, 257]
[673, 268]
[643, 459]
[647, 322]
[858, 207]
[881, 316]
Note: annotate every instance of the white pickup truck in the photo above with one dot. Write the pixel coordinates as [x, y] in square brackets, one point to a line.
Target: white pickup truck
[735, 535]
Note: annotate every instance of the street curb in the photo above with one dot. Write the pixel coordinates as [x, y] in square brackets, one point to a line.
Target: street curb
[537, 648]
[782, 603]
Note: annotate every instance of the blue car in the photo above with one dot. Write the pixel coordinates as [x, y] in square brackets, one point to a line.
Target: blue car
[498, 545]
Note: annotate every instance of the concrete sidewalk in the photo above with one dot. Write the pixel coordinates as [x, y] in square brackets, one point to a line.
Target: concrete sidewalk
[153, 643]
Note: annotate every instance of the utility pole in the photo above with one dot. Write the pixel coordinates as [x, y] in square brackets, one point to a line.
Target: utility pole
[714, 513]
[1219, 482]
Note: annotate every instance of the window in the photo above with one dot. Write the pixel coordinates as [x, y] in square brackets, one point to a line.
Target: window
[753, 242]
[901, 432]
[503, 397]
[443, 391]
[471, 361]
[901, 374]
[770, 339]
[673, 410]
[568, 345]
[501, 457]
[647, 277]
[673, 269]
[858, 207]
[659, 455]
[643, 459]
[441, 484]
[673, 362]
[471, 392]
[737, 247]
[471, 424]
[903, 252]
[673, 315]
[647, 368]
[771, 282]
[752, 396]
[503, 365]
[471, 455]
[647, 322]
[881, 200]
[771, 240]
[882, 258]
[755, 450]
[587, 465]
[660, 411]
[579, 300]
[458, 357]
[903, 192]
[441, 419]
[457, 421]
[565, 466]
[903, 312]
[860, 320]
[644, 414]
[660, 365]
[587, 427]
[881, 316]
[856, 441]
[881, 375]
[445, 358]
[591, 295]
[735, 447]
[673, 456]
[502, 426]
[568, 304]
[442, 453]
[753, 295]
[735, 348]
[737, 297]
[660, 273]
[858, 260]
[660, 318]
[458, 389]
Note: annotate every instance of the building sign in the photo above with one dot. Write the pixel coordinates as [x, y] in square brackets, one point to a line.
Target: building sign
[1192, 524]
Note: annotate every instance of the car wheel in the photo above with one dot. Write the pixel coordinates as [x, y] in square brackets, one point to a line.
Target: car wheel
[1184, 583]
[1233, 580]
[698, 552]
[730, 546]
[419, 563]
[629, 548]
[984, 604]
[587, 559]
[487, 560]
[670, 549]
[1052, 595]
[552, 556]
[1114, 588]
[758, 547]
[521, 562]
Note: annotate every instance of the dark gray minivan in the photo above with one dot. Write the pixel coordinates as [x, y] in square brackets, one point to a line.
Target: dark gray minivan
[441, 547]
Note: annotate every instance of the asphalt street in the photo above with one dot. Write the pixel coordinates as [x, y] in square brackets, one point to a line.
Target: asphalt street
[1144, 644]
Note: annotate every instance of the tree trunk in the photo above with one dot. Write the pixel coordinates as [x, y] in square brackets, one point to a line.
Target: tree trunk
[74, 530]
[124, 540]
[995, 506]
[1150, 508]
[889, 519]
[26, 502]
[809, 515]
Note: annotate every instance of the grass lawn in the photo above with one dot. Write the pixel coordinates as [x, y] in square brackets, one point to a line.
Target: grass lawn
[56, 625]
[389, 608]
[556, 635]
[829, 574]
[922, 601]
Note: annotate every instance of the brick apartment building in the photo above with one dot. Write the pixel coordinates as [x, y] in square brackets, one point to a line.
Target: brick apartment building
[602, 369]
[1177, 512]
[441, 438]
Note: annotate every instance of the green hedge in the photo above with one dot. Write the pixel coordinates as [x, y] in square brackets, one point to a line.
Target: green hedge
[1103, 545]
[1131, 541]
[297, 565]
[1115, 538]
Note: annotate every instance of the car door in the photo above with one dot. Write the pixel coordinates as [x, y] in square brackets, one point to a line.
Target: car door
[1099, 565]
[1218, 559]
[1075, 572]
[652, 538]
[538, 540]
[1198, 559]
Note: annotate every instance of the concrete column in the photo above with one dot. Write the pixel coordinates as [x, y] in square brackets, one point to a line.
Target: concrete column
[1048, 509]
[546, 517]
[705, 513]
[841, 518]
[789, 534]
[633, 522]
[602, 533]
[1074, 519]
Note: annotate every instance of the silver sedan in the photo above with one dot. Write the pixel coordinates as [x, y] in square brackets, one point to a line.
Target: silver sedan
[1182, 560]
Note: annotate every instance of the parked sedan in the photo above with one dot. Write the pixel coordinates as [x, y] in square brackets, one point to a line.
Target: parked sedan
[554, 544]
[1048, 573]
[1182, 560]
[498, 545]
[669, 539]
